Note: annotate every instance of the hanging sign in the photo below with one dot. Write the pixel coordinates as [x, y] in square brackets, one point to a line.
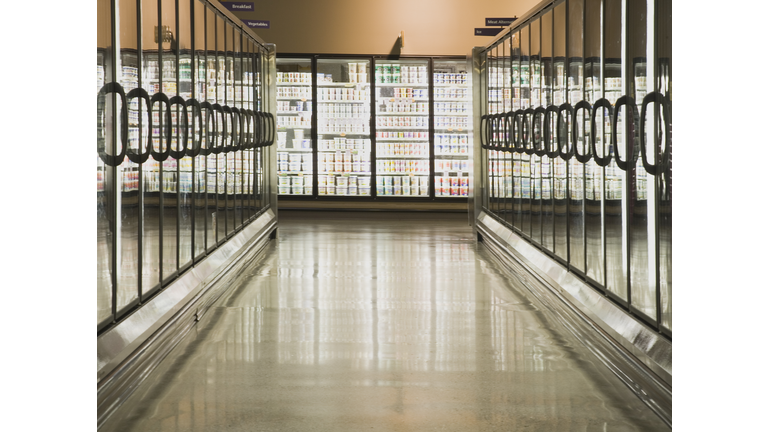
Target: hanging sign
[484, 31]
[257, 24]
[238, 6]
[499, 21]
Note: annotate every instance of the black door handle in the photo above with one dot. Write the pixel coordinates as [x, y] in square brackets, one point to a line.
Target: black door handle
[237, 130]
[161, 155]
[562, 138]
[528, 114]
[629, 140]
[117, 159]
[539, 149]
[660, 167]
[581, 105]
[178, 154]
[194, 149]
[604, 160]
[220, 130]
[550, 150]
[141, 156]
[210, 129]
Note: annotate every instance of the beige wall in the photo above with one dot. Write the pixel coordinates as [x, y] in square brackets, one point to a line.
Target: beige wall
[432, 27]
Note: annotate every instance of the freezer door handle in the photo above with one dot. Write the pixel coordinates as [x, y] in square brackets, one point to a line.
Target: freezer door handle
[660, 167]
[178, 154]
[508, 147]
[228, 138]
[194, 149]
[492, 143]
[629, 140]
[220, 130]
[538, 148]
[115, 159]
[581, 105]
[550, 150]
[604, 160]
[562, 138]
[161, 155]
[260, 133]
[142, 155]
[272, 128]
[237, 130]
[527, 131]
[518, 130]
[247, 143]
[483, 120]
[210, 129]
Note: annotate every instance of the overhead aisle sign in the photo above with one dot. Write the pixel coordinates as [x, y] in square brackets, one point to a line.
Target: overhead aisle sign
[499, 21]
[257, 23]
[238, 6]
[483, 31]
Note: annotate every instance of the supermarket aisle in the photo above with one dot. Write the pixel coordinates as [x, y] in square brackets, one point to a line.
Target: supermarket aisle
[381, 322]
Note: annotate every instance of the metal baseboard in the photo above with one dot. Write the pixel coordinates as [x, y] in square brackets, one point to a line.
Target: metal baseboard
[637, 355]
[129, 352]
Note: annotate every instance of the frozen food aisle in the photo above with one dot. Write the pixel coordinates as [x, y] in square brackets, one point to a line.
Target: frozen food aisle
[380, 321]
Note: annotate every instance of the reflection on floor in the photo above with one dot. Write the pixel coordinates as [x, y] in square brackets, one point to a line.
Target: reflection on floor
[380, 321]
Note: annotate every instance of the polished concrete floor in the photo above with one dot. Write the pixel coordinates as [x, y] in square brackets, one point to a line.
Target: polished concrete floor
[381, 322]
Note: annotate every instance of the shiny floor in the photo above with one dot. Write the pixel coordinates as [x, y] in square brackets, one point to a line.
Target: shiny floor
[381, 322]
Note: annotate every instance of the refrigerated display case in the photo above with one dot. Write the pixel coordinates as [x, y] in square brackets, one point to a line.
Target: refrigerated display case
[402, 128]
[179, 152]
[591, 178]
[294, 127]
[343, 96]
[452, 107]
[341, 117]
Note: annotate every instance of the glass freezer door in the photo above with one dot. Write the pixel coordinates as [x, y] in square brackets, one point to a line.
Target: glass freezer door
[294, 126]
[453, 113]
[343, 123]
[402, 128]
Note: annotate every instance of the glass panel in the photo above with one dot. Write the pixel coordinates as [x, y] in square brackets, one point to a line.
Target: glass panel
[150, 170]
[128, 172]
[451, 97]
[344, 140]
[640, 230]
[248, 96]
[547, 180]
[294, 130]
[495, 105]
[525, 102]
[594, 174]
[506, 162]
[184, 40]
[221, 158]
[104, 195]
[211, 163]
[664, 77]
[576, 169]
[239, 80]
[615, 179]
[560, 167]
[231, 174]
[485, 101]
[170, 167]
[493, 95]
[200, 93]
[536, 131]
[402, 132]
[258, 153]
